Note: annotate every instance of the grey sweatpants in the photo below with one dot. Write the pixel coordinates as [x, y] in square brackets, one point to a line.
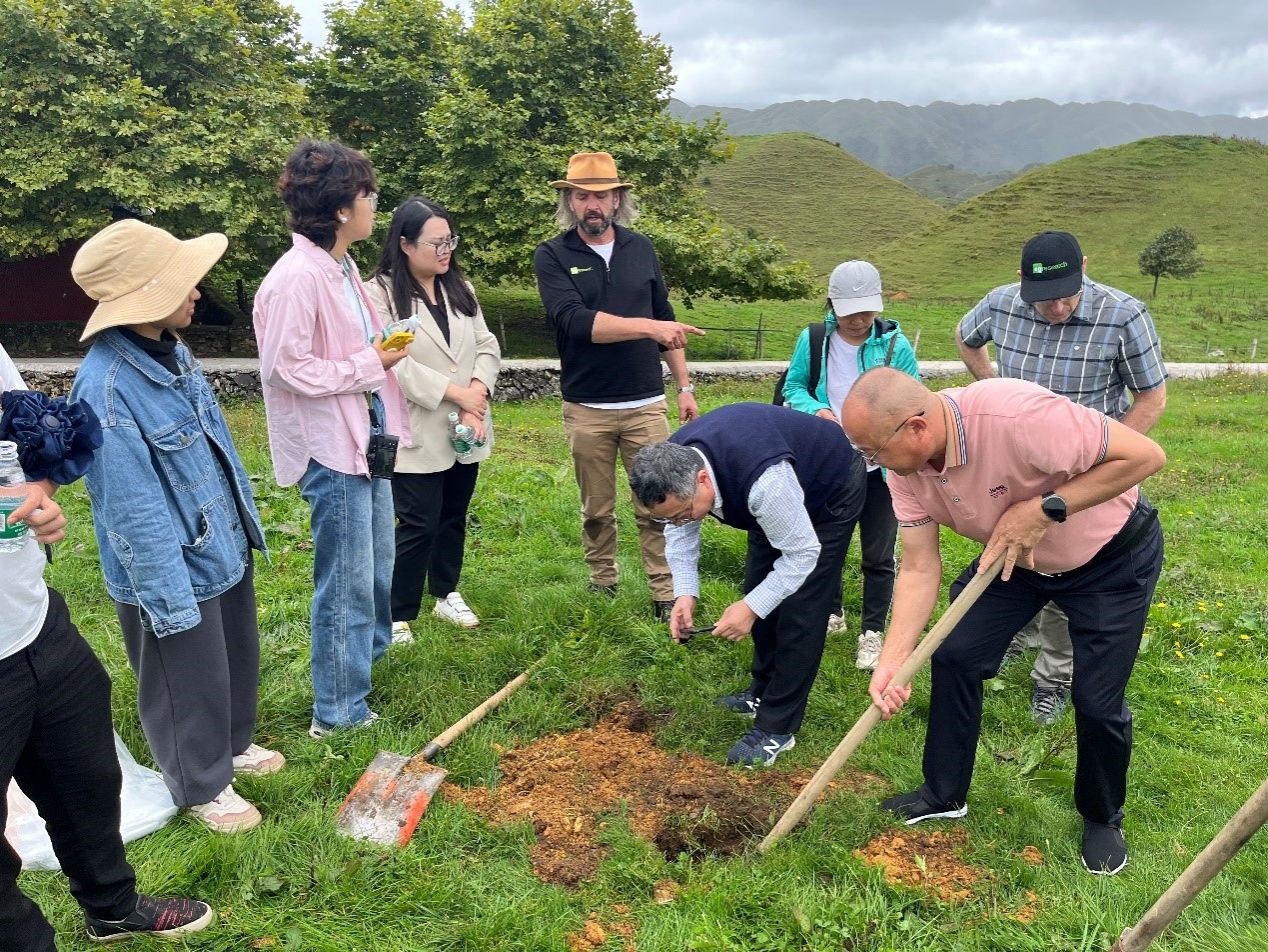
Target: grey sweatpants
[197, 690]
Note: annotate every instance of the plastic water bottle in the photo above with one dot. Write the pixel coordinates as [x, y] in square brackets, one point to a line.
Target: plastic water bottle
[12, 479]
[460, 436]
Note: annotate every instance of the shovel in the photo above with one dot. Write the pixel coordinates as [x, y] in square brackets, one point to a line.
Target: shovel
[387, 802]
[871, 717]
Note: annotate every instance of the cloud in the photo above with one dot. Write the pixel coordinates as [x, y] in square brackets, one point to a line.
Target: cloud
[1212, 59]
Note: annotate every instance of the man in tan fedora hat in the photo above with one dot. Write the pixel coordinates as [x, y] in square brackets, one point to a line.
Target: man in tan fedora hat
[606, 299]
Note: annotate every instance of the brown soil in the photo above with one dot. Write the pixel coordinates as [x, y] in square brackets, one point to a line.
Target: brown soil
[902, 854]
[594, 935]
[567, 784]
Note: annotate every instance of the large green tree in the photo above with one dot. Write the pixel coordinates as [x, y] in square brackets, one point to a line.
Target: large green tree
[185, 107]
[484, 117]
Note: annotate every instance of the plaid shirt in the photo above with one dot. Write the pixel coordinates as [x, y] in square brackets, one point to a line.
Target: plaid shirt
[1108, 345]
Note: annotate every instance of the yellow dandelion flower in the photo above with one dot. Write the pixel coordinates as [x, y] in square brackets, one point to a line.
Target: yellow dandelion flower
[1175, 624]
[1245, 637]
[1219, 604]
[1180, 655]
[1219, 654]
[1161, 605]
[1220, 699]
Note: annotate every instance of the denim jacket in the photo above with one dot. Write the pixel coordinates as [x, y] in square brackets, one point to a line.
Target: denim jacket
[167, 487]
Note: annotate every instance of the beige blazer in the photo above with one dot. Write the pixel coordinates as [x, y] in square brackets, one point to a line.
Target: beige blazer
[429, 367]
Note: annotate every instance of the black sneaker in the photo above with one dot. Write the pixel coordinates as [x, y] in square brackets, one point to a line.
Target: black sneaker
[661, 610]
[153, 916]
[913, 808]
[759, 748]
[744, 704]
[597, 589]
[1104, 849]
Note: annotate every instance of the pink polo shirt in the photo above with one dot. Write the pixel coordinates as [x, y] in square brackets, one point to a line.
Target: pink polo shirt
[316, 368]
[1009, 441]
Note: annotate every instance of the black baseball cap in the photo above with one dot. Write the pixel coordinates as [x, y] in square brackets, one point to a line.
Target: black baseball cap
[1051, 267]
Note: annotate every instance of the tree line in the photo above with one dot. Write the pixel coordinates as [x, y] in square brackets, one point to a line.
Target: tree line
[187, 108]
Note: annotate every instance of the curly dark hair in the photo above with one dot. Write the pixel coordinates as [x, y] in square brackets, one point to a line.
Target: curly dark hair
[407, 222]
[319, 178]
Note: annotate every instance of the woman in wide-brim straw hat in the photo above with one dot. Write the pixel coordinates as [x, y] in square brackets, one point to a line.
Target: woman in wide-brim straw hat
[175, 519]
[328, 387]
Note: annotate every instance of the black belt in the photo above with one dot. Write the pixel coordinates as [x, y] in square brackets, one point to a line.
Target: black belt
[1138, 525]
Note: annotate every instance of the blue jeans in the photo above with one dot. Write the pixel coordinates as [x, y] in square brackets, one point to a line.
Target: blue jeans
[353, 553]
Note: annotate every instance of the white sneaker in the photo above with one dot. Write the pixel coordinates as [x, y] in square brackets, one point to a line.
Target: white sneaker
[258, 760]
[869, 650]
[836, 623]
[401, 635]
[317, 729]
[453, 608]
[227, 813]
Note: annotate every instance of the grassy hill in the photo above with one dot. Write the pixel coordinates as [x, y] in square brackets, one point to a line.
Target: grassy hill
[823, 203]
[1115, 201]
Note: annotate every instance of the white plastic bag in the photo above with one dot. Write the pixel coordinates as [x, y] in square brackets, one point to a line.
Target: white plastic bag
[147, 806]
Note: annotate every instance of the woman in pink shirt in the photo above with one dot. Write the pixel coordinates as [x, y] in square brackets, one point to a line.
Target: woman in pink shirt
[327, 393]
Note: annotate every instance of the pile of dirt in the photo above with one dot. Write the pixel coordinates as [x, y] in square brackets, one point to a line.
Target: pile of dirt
[927, 861]
[594, 935]
[566, 784]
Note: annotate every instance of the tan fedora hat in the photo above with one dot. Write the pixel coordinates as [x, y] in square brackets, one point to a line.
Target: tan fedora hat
[138, 273]
[592, 172]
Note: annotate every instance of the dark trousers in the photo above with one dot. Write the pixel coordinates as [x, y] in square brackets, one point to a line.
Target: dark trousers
[57, 742]
[878, 531]
[788, 643]
[197, 690]
[431, 533]
[1107, 602]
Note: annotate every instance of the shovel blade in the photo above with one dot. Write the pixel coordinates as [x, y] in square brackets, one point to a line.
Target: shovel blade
[388, 801]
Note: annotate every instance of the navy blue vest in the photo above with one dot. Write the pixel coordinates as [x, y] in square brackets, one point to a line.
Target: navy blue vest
[743, 440]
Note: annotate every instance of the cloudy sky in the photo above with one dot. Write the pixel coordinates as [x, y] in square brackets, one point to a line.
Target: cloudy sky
[1210, 57]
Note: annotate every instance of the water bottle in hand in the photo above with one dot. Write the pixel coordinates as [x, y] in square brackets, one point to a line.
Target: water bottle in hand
[460, 436]
[12, 481]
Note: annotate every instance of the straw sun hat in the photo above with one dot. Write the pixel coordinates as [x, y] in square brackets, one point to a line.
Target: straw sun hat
[138, 273]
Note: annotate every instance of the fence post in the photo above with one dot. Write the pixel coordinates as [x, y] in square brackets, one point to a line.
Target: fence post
[758, 354]
[1254, 346]
[915, 344]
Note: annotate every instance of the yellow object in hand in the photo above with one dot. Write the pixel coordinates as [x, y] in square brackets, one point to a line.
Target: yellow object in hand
[398, 341]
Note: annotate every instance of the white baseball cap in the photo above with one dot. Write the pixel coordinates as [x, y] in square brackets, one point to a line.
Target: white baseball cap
[855, 286]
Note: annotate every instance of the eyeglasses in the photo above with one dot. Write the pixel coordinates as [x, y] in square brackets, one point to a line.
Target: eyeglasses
[373, 199]
[444, 244]
[870, 458]
[681, 519]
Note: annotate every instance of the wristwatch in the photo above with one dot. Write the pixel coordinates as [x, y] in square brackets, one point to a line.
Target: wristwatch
[690, 388]
[1053, 506]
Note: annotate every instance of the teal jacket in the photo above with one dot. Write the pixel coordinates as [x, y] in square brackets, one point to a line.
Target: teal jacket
[871, 354]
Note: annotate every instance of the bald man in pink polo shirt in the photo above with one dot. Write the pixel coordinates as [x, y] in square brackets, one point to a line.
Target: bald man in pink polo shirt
[1052, 487]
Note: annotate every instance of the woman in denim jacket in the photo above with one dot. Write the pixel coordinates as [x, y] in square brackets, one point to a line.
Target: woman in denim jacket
[174, 517]
[857, 339]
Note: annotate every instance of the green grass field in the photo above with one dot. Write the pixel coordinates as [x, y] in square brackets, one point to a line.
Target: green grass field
[1197, 694]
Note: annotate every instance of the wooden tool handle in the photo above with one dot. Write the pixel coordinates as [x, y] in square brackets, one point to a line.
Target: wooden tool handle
[863, 726]
[453, 731]
[1245, 822]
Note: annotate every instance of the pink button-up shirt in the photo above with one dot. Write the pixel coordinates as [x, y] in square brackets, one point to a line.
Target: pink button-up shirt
[316, 367]
[1009, 441]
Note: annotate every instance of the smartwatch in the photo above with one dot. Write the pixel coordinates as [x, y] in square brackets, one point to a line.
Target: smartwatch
[1053, 506]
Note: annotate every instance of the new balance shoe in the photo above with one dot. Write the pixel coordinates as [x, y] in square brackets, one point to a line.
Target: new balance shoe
[318, 730]
[1104, 849]
[153, 916]
[453, 608]
[745, 703]
[1048, 704]
[913, 808]
[228, 812]
[258, 760]
[401, 635]
[870, 643]
[759, 748]
[836, 623]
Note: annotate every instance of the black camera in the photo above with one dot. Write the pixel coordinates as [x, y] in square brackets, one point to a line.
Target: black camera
[380, 456]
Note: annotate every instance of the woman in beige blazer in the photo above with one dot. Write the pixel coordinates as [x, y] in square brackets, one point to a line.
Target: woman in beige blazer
[451, 366]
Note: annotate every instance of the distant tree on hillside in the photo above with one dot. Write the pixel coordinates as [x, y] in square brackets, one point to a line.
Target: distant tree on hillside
[1173, 254]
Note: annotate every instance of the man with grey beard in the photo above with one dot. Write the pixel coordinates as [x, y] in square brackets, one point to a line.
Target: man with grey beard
[607, 302]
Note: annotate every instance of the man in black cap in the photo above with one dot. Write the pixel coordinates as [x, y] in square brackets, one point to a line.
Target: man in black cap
[1089, 342]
